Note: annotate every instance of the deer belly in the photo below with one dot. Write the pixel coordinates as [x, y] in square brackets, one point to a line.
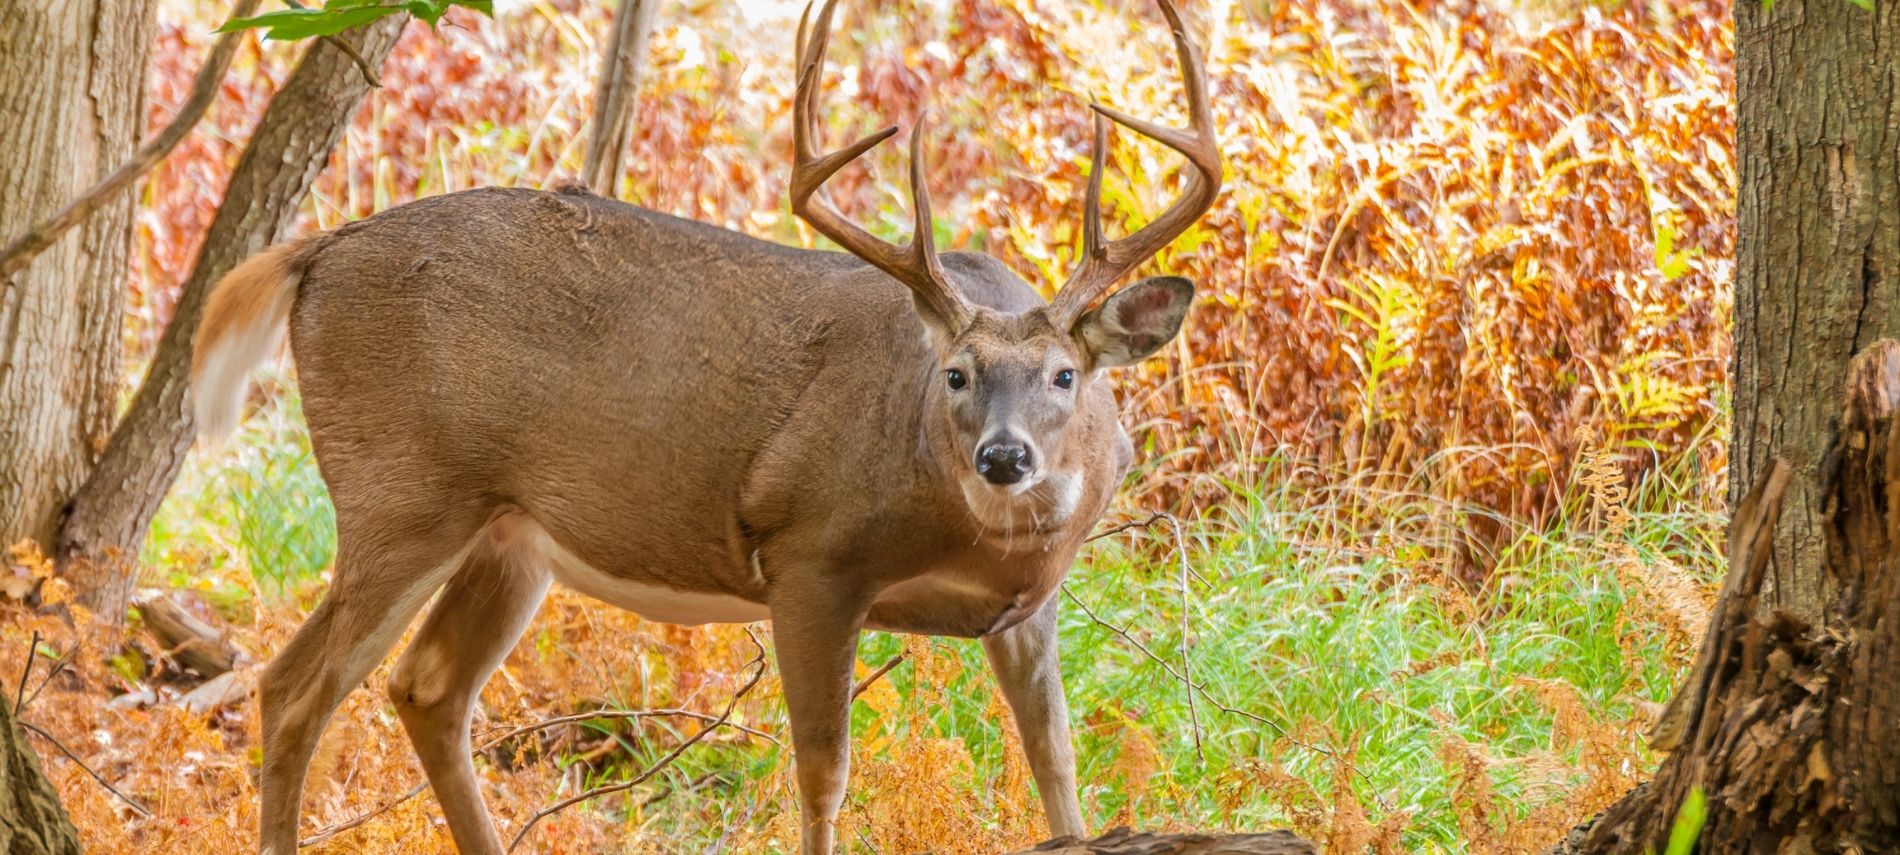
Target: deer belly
[654, 602]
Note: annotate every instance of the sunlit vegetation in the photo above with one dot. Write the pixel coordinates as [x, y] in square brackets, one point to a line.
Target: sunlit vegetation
[1445, 432]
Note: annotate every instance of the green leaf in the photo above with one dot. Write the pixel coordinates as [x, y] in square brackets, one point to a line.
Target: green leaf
[1689, 817]
[294, 24]
[339, 15]
[1864, 4]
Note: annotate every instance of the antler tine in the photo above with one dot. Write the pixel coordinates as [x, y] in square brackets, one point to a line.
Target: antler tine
[1104, 261]
[916, 263]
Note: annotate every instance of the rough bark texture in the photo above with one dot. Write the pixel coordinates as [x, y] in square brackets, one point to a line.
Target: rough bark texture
[32, 821]
[1787, 725]
[110, 514]
[1122, 841]
[72, 89]
[616, 95]
[1818, 272]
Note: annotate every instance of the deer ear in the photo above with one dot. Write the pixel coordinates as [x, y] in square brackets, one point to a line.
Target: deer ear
[1134, 322]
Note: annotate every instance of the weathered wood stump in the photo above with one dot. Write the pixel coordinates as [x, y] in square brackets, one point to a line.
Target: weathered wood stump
[1791, 728]
[1122, 841]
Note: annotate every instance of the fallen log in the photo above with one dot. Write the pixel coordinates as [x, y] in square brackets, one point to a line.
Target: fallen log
[1123, 841]
[187, 639]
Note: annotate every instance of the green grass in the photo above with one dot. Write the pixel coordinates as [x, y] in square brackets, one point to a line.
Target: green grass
[1327, 640]
[258, 499]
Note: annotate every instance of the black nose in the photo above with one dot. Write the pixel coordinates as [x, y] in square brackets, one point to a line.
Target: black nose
[1004, 462]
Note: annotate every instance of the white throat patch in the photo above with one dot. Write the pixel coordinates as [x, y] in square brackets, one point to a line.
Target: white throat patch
[1023, 513]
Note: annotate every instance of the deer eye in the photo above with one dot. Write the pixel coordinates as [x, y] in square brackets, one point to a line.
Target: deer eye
[1065, 378]
[956, 379]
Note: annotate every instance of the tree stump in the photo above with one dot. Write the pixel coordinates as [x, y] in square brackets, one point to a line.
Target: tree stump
[1122, 841]
[1792, 730]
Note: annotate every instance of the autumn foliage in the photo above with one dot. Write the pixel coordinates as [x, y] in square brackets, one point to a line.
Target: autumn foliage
[1457, 240]
[1477, 251]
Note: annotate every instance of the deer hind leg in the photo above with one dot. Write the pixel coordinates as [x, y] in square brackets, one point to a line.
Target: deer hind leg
[1024, 660]
[470, 629]
[385, 570]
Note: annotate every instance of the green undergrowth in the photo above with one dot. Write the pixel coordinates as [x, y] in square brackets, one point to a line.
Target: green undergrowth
[1322, 650]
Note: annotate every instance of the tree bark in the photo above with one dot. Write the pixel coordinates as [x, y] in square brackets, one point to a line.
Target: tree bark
[32, 821]
[72, 89]
[1818, 229]
[99, 543]
[1787, 726]
[616, 95]
[20, 251]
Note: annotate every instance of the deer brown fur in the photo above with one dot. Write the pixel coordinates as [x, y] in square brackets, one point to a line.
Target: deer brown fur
[506, 388]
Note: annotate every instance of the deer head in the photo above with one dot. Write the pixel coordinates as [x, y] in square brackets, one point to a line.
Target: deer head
[1009, 382]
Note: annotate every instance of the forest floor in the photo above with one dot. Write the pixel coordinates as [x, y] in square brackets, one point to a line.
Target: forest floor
[1346, 687]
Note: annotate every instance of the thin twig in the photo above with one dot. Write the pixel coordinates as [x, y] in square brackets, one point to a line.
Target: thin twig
[618, 715]
[1187, 672]
[19, 695]
[1201, 688]
[1153, 517]
[330, 831]
[362, 65]
[59, 667]
[21, 251]
[35, 729]
[719, 845]
[662, 763]
[881, 671]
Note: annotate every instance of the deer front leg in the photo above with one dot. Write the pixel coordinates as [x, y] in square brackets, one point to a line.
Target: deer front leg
[1024, 659]
[815, 626]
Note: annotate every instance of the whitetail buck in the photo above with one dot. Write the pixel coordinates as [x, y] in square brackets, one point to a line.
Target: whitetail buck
[506, 388]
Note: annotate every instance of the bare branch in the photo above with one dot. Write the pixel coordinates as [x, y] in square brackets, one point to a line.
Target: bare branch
[1187, 672]
[620, 714]
[41, 733]
[650, 771]
[1182, 674]
[881, 671]
[330, 831]
[21, 251]
[19, 696]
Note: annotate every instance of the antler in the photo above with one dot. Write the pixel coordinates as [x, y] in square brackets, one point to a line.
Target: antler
[1105, 261]
[915, 264]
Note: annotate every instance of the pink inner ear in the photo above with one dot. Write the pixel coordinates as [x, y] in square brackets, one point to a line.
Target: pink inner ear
[1139, 307]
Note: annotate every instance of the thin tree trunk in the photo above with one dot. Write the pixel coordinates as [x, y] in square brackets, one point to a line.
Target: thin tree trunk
[32, 821]
[1787, 726]
[99, 544]
[1818, 227]
[616, 95]
[72, 91]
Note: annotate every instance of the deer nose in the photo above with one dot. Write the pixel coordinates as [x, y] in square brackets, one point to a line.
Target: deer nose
[1004, 462]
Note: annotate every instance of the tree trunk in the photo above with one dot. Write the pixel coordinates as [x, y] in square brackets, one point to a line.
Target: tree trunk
[1788, 726]
[99, 544]
[72, 91]
[616, 95]
[1818, 273]
[32, 821]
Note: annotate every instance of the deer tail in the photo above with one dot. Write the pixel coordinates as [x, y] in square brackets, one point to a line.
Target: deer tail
[242, 326]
